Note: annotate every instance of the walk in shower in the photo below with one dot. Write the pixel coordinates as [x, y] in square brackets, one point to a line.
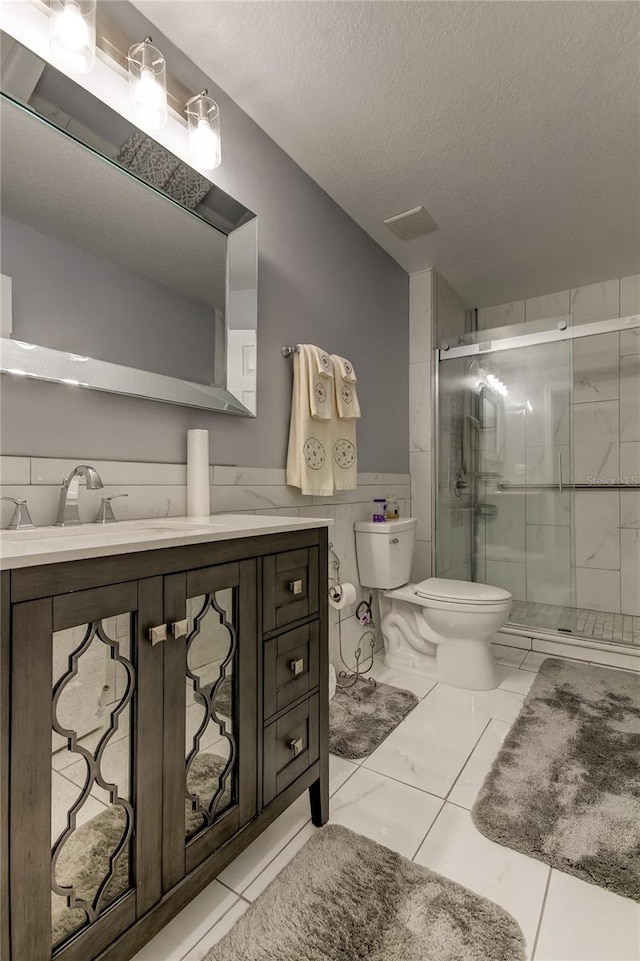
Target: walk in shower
[538, 464]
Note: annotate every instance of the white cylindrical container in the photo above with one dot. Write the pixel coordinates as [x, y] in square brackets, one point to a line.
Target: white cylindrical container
[198, 473]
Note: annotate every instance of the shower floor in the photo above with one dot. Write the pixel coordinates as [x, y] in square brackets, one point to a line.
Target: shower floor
[599, 625]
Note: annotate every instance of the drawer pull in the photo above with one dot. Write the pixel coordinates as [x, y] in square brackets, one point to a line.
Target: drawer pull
[178, 628]
[157, 634]
[297, 667]
[295, 587]
[296, 746]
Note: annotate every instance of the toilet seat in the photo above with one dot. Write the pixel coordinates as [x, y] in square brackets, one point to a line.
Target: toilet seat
[463, 593]
[410, 594]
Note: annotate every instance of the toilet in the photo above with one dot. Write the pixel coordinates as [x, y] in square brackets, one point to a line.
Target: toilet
[439, 627]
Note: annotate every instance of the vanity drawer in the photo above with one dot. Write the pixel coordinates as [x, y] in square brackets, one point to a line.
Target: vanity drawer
[291, 745]
[291, 667]
[290, 587]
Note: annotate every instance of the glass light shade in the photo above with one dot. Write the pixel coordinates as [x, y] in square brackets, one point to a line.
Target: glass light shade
[203, 115]
[147, 86]
[72, 34]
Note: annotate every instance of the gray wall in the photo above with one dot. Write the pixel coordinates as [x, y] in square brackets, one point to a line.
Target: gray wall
[68, 299]
[321, 280]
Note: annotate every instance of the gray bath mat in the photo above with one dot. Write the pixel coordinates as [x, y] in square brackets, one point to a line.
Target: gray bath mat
[358, 724]
[84, 859]
[565, 787]
[346, 898]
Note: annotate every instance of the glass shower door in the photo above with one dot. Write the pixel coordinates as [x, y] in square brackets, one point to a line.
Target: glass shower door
[537, 430]
[523, 517]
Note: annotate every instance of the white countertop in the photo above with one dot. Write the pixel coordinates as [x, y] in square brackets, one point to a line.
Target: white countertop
[51, 545]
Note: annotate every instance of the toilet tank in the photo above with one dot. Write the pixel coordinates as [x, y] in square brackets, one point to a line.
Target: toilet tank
[384, 552]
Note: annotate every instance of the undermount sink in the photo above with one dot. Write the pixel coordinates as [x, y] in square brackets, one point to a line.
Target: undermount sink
[117, 531]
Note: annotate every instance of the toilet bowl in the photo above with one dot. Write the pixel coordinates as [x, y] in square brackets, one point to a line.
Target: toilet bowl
[439, 627]
[443, 628]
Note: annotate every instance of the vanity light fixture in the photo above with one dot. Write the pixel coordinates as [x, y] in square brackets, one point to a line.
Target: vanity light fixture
[147, 85]
[203, 115]
[72, 34]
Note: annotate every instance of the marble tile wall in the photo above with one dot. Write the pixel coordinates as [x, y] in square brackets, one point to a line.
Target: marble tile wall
[159, 490]
[421, 293]
[581, 407]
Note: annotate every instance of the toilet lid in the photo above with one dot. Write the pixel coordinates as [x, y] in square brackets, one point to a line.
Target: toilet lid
[443, 589]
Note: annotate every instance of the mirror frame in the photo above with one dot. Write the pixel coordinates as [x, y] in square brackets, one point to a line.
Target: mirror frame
[57, 366]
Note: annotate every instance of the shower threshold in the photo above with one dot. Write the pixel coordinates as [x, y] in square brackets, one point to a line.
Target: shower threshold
[574, 624]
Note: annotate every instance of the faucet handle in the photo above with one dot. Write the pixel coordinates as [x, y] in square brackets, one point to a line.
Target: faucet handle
[105, 514]
[21, 519]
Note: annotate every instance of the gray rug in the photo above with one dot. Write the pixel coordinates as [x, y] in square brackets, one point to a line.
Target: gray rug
[84, 860]
[565, 787]
[357, 725]
[346, 898]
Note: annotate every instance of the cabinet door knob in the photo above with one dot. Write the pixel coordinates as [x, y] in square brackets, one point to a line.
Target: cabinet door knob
[295, 587]
[178, 628]
[157, 634]
[296, 746]
[297, 666]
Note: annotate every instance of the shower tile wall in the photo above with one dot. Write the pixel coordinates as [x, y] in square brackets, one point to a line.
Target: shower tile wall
[420, 464]
[580, 407]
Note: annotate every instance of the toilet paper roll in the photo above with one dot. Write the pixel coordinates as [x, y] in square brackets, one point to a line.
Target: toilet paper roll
[348, 596]
[198, 473]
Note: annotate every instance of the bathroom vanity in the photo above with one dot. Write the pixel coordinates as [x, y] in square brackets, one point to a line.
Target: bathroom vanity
[164, 697]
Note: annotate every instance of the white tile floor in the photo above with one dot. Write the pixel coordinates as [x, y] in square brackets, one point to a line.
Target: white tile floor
[414, 794]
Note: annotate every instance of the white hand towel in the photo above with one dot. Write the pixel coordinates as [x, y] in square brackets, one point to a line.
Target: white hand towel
[309, 458]
[322, 360]
[345, 454]
[320, 382]
[344, 378]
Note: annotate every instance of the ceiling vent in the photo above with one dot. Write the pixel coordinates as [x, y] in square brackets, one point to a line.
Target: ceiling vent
[411, 224]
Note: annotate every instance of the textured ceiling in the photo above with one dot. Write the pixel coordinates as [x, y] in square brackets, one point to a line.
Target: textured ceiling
[516, 124]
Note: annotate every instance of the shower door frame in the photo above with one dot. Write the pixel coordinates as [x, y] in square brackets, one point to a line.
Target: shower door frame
[562, 332]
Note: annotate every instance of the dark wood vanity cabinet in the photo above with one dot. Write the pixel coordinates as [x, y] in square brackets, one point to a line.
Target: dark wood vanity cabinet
[159, 709]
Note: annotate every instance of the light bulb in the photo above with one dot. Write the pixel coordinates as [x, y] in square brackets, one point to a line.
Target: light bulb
[72, 29]
[203, 117]
[148, 104]
[147, 86]
[204, 145]
[72, 39]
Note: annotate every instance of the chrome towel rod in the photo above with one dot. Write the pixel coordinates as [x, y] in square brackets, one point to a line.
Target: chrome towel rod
[505, 487]
[288, 351]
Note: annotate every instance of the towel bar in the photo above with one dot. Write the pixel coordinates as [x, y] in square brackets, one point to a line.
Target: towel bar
[288, 351]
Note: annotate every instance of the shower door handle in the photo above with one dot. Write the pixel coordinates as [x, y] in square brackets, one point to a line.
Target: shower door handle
[460, 485]
[559, 473]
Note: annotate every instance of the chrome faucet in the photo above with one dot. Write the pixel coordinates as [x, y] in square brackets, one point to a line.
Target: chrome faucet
[68, 505]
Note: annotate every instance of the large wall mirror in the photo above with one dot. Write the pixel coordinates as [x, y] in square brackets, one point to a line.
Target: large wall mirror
[123, 269]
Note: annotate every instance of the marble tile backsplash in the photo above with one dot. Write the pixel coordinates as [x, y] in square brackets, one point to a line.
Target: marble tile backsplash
[159, 490]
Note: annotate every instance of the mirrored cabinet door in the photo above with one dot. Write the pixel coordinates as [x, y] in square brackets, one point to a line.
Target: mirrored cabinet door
[92, 813]
[214, 656]
[78, 668]
[211, 708]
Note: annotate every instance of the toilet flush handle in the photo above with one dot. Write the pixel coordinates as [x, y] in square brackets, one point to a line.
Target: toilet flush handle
[394, 540]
